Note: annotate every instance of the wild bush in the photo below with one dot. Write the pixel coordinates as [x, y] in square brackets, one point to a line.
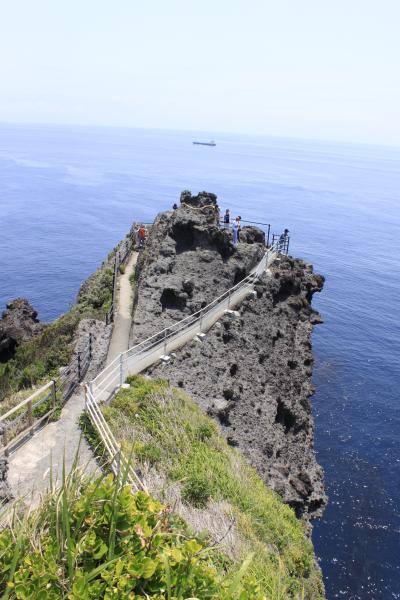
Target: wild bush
[95, 539]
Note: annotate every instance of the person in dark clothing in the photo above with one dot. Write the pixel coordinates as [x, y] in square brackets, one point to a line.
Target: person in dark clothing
[283, 241]
[227, 218]
[175, 206]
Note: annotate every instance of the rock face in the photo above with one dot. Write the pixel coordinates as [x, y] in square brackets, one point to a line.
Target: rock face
[188, 261]
[252, 372]
[19, 324]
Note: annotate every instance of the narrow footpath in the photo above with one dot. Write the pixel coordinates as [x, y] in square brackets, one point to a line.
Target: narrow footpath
[123, 317]
[57, 443]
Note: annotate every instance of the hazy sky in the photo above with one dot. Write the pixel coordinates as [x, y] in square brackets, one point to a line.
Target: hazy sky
[305, 68]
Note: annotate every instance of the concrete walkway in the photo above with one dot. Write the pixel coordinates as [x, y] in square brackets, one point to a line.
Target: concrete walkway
[29, 466]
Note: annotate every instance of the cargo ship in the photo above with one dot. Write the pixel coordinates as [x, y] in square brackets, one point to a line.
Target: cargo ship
[211, 143]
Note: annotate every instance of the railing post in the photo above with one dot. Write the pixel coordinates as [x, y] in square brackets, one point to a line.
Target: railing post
[54, 394]
[90, 346]
[165, 342]
[121, 369]
[201, 321]
[90, 387]
[5, 441]
[30, 417]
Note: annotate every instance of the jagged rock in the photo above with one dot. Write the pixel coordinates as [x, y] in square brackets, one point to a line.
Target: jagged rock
[259, 363]
[204, 201]
[188, 262]
[252, 235]
[19, 324]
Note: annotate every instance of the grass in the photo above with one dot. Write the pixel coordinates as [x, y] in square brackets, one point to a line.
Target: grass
[171, 436]
[93, 538]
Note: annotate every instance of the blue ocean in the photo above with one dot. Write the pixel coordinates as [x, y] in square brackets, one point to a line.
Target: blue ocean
[69, 194]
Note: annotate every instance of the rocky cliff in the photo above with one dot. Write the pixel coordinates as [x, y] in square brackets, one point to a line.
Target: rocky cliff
[252, 371]
[19, 323]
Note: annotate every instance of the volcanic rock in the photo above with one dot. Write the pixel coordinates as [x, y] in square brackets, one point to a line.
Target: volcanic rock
[19, 324]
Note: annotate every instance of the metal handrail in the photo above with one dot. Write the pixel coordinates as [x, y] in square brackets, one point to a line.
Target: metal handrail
[19, 422]
[117, 458]
[195, 316]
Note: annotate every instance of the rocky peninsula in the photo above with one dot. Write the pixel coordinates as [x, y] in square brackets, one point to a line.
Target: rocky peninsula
[247, 379]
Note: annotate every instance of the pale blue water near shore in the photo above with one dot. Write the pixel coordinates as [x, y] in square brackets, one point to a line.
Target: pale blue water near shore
[67, 195]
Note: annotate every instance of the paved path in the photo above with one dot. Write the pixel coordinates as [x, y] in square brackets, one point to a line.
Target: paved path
[123, 318]
[29, 466]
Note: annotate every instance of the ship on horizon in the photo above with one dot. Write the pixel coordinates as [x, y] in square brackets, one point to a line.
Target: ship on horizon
[210, 143]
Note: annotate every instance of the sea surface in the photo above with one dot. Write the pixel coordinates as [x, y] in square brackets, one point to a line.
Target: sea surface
[69, 194]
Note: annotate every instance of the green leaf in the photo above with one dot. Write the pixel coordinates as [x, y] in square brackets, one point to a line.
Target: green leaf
[149, 567]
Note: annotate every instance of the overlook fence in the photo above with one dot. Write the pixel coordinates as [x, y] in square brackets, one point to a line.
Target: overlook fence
[267, 227]
[155, 348]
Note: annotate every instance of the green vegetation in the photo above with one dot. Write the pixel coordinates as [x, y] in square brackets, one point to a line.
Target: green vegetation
[40, 358]
[169, 435]
[94, 539]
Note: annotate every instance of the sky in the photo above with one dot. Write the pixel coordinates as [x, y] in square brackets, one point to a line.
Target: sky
[318, 69]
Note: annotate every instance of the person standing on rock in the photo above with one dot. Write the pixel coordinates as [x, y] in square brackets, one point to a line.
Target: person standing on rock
[239, 225]
[283, 245]
[227, 218]
[235, 232]
[141, 236]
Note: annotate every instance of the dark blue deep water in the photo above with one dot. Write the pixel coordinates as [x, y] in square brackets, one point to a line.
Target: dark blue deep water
[67, 195]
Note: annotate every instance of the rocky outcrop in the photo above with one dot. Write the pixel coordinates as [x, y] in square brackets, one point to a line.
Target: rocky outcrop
[252, 372]
[188, 261]
[19, 324]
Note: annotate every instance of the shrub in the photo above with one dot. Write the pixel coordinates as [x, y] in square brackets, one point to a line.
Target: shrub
[147, 453]
[95, 539]
[196, 491]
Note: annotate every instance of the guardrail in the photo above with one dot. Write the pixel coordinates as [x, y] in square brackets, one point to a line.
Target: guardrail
[157, 347]
[117, 460]
[224, 225]
[21, 421]
[281, 242]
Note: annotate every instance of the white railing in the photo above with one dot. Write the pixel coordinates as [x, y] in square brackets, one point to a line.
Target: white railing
[116, 457]
[20, 421]
[158, 346]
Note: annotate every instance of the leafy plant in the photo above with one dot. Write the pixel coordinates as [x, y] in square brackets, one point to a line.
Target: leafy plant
[94, 539]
